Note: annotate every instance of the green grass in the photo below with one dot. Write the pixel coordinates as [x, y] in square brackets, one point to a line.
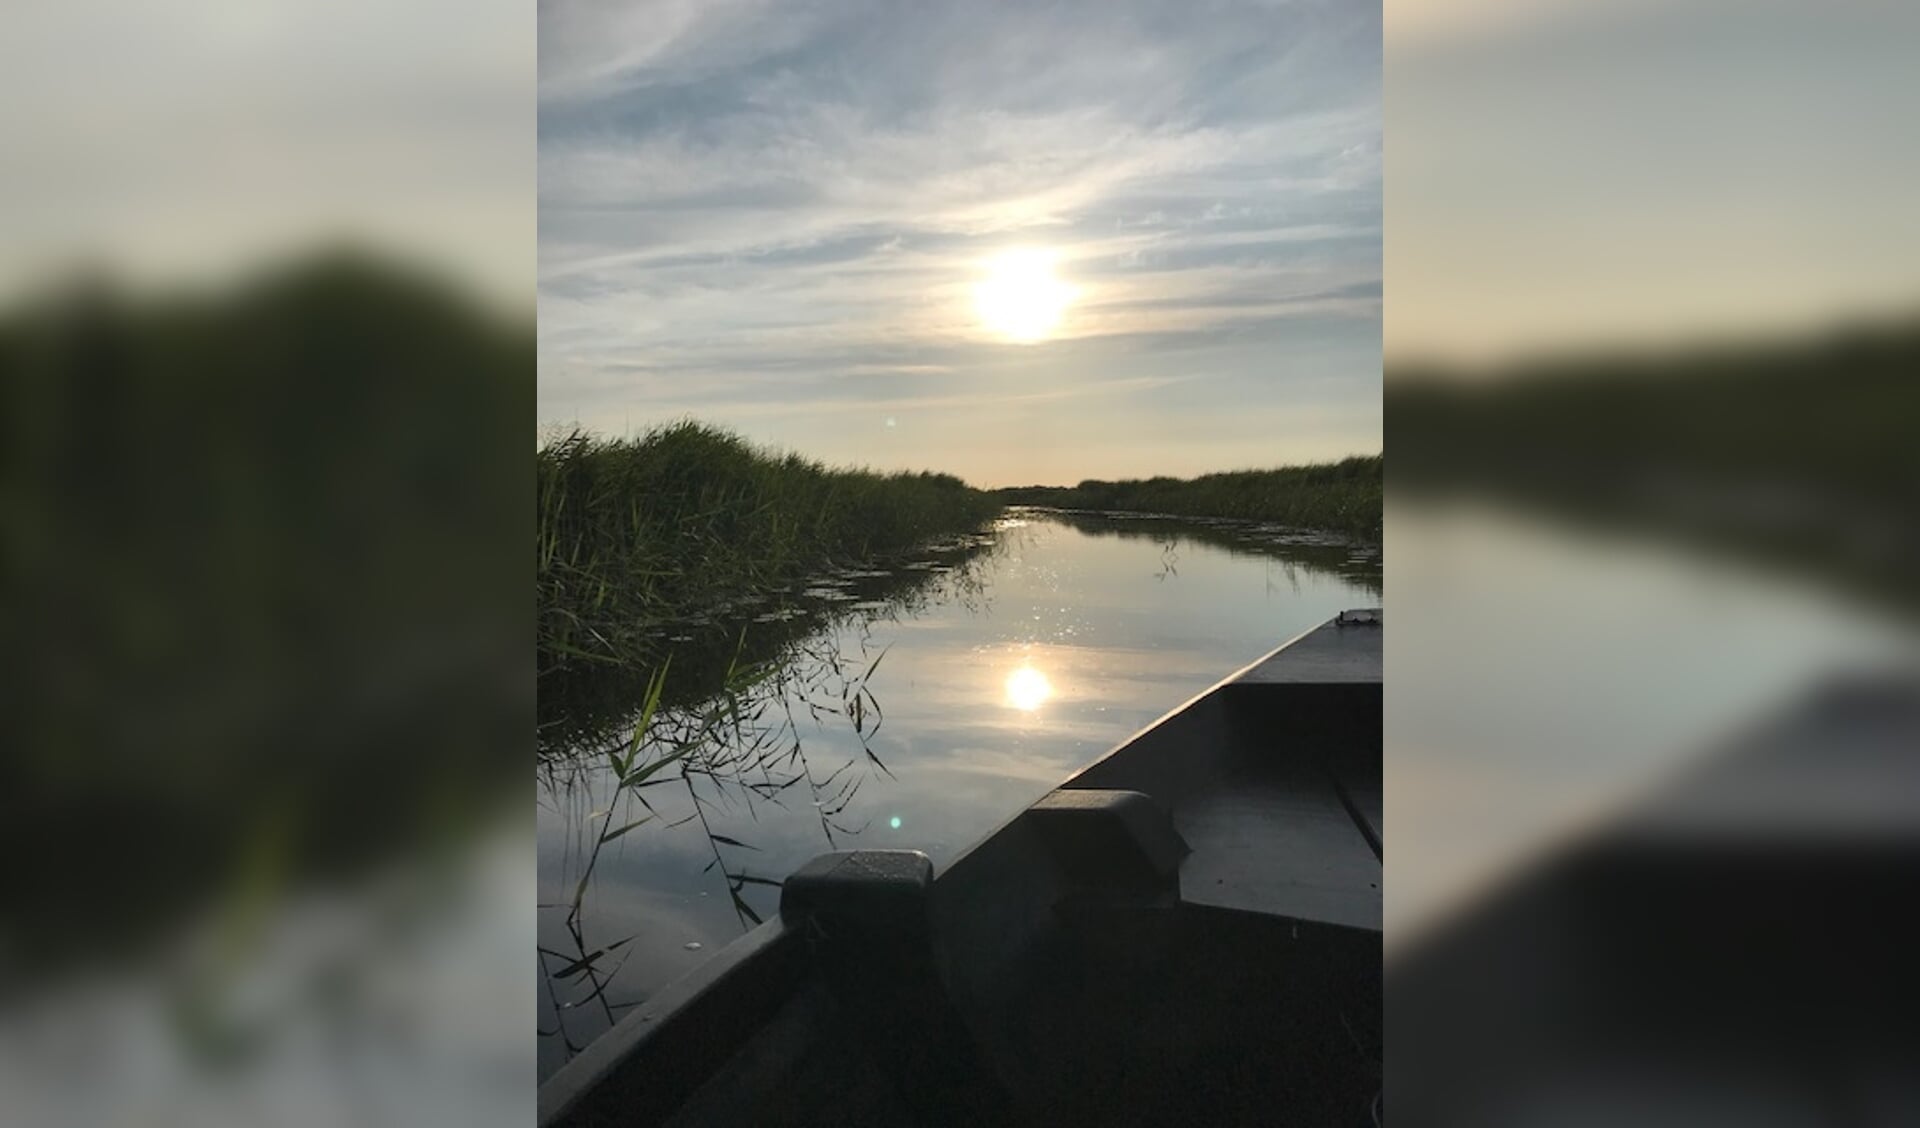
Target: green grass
[684, 522]
[1342, 497]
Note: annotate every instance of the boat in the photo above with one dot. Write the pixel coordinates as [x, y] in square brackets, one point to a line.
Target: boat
[1734, 947]
[1186, 931]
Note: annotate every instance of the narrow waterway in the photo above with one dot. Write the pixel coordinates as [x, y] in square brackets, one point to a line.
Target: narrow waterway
[916, 707]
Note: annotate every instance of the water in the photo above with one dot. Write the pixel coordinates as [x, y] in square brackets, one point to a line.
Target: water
[1547, 676]
[916, 707]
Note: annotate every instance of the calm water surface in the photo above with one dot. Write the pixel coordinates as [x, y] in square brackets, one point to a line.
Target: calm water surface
[917, 708]
[1548, 675]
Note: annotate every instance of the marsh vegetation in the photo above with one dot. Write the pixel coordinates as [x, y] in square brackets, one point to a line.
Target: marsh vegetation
[693, 591]
[719, 625]
[1339, 497]
[689, 524]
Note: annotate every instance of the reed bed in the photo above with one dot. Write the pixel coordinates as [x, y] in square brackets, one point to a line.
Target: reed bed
[1342, 497]
[688, 522]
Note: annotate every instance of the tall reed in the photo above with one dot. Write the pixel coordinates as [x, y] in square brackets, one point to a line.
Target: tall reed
[686, 522]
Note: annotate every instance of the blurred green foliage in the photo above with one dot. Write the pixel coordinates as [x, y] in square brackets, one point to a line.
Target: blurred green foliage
[1804, 454]
[265, 590]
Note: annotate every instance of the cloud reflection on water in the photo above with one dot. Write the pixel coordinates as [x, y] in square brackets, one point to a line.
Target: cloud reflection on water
[1079, 637]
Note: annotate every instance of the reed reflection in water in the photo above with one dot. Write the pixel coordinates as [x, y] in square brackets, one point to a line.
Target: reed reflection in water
[916, 706]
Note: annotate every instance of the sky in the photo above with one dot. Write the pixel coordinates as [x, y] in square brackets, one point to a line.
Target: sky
[1581, 175]
[780, 217]
[200, 140]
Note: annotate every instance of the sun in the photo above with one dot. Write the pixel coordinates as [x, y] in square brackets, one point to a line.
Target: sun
[1028, 689]
[1020, 299]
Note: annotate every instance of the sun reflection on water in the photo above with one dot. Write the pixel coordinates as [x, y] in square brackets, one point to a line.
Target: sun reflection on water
[1028, 689]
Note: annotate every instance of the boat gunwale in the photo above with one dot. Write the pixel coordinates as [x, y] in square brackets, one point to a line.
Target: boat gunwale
[562, 1095]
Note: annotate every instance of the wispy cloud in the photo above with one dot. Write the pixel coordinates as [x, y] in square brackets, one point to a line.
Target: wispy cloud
[772, 216]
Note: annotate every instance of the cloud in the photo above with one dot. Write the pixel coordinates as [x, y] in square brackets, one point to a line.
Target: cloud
[739, 206]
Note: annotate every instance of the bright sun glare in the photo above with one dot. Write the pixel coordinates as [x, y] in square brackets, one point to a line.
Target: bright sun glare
[1028, 689]
[1020, 299]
